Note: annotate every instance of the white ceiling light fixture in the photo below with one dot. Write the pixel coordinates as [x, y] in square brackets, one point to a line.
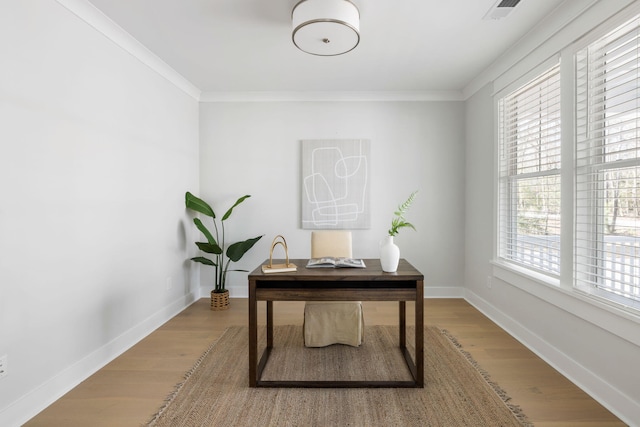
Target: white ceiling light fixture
[325, 27]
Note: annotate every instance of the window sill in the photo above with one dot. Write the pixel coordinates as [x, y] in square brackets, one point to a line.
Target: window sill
[517, 274]
[617, 320]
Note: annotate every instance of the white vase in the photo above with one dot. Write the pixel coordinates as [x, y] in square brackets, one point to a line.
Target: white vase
[389, 255]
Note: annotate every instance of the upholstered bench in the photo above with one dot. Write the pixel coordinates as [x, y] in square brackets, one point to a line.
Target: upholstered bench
[339, 322]
[332, 322]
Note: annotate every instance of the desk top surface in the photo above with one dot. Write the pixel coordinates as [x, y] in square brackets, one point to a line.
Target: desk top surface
[373, 271]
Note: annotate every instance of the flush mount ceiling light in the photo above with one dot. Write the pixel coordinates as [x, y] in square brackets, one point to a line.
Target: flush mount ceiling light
[325, 27]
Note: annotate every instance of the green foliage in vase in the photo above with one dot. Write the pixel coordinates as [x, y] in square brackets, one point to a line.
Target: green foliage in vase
[223, 256]
[399, 221]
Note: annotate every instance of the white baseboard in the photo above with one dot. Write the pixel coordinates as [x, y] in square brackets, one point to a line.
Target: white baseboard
[606, 394]
[29, 405]
[26, 407]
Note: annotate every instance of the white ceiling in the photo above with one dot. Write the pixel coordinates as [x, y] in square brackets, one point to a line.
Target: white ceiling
[245, 45]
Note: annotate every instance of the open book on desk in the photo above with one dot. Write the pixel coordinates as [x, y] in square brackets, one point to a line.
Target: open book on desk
[332, 262]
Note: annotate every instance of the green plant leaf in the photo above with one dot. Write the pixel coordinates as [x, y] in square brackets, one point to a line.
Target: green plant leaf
[216, 245]
[205, 231]
[403, 224]
[403, 208]
[198, 205]
[238, 249]
[209, 248]
[203, 260]
[399, 222]
[240, 200]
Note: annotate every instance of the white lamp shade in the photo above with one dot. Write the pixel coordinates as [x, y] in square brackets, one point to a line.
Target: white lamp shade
[326, 27]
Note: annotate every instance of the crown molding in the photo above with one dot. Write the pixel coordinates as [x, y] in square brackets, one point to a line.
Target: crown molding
[566, 24]
[103, 24]
[532, 41]
[329, 96]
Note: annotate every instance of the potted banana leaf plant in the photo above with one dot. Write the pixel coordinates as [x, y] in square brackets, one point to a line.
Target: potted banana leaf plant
[221, 255]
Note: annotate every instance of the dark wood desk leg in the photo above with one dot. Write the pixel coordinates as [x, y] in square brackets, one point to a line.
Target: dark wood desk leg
[402, 321]
[253, 334]
[420, 333]
[269, 324]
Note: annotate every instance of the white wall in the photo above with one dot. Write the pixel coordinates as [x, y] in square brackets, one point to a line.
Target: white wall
[254, 148]
[596, 346]
[96, 151]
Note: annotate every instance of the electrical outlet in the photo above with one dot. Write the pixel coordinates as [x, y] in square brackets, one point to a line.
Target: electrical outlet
[169, 283]
[489, 281]
[4, 368]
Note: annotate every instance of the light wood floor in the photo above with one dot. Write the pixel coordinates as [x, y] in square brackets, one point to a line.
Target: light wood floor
[129, 390]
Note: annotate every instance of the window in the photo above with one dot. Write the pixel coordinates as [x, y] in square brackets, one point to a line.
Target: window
[607, 199]
[529, 174]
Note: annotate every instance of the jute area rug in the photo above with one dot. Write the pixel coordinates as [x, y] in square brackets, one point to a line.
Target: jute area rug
[216, 391]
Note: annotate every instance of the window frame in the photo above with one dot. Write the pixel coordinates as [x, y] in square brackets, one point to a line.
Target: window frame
[508, 176]
[558, 290]
[590, 264]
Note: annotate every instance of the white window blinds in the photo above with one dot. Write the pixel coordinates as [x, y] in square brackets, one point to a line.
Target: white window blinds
[529, 182]
[607, 214]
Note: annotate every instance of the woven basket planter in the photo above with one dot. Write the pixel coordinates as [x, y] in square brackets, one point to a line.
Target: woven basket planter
[220, 300]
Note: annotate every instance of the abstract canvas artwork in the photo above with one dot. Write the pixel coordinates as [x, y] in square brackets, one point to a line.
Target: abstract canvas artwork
[335, 184]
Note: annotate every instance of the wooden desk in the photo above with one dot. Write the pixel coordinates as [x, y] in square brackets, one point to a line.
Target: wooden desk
[341, 284]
